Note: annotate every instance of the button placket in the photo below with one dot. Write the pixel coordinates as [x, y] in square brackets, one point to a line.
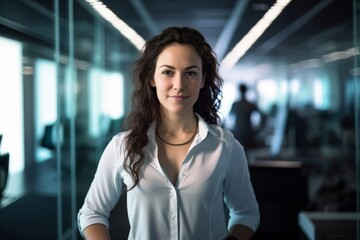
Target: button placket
[173, 215]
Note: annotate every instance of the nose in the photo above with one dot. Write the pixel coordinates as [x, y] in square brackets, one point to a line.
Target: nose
[179, 82]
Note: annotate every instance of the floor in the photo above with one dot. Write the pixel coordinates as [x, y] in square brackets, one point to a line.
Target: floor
[38, 185]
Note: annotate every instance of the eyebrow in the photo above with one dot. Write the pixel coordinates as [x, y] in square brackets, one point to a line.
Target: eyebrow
[168, 66]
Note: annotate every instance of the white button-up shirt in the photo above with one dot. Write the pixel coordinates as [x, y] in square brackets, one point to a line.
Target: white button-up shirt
[214, 172]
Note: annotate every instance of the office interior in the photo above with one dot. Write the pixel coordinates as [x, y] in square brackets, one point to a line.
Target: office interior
[65, 90]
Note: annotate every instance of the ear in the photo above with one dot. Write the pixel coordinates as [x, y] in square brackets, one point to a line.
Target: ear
[152, 82]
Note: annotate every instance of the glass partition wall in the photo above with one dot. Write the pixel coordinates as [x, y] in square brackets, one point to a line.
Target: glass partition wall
[356, 11]
[64, 71]
[64, 91]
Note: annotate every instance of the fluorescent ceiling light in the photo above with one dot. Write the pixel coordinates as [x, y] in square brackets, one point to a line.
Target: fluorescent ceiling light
[339, 55]
[119, 24]
[250, 38]
[229, 60]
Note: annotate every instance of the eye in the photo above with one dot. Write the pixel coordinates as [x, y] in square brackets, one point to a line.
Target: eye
[167, 73]
[192, 74]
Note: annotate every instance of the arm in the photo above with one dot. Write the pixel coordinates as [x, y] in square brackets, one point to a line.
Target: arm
[103, 194]
[96, 232]
[241, 232]
[239, 195]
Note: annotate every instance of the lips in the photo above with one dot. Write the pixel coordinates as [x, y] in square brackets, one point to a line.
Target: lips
[178, 97]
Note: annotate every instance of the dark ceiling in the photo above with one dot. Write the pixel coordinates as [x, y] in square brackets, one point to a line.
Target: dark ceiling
[304, 28]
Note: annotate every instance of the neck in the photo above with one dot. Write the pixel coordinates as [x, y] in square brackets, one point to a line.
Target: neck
[176, 126]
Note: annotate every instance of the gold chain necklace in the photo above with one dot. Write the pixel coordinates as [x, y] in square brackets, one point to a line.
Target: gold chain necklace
[178, 144]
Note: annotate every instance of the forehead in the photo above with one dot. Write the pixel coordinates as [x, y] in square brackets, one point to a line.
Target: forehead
[179, 54]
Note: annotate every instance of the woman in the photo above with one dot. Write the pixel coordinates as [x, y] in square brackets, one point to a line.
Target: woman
[176, 164]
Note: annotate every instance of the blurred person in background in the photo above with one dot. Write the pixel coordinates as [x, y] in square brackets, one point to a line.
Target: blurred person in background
[244, 128]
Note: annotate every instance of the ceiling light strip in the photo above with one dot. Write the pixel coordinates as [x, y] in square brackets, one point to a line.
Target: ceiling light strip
[119, 24]
[250, 38]
[230, 27]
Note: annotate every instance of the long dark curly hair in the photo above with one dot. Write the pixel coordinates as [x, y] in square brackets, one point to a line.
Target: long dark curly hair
[145, 104]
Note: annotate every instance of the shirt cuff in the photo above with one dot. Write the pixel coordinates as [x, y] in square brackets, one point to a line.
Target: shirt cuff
[89, 217]
[251, 221]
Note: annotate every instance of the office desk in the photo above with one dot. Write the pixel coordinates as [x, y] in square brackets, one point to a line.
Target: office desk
[329, 225]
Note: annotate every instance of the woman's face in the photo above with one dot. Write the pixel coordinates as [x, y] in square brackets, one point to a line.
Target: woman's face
[178, 78]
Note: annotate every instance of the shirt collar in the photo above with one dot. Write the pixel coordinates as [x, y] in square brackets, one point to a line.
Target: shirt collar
[204, 128]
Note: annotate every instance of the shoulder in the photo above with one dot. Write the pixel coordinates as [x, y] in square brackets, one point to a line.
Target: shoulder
[232, 150]
[216, 132]
[117, 142]
[222, 134]
[120, 136]
[235, 104]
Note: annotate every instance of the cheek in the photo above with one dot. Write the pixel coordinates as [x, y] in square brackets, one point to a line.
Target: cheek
[162, 85]
[200, 84]
[159, 92]
[203, 81]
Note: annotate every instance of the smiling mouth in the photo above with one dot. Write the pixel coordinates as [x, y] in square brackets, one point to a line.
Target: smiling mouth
[178, 97]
